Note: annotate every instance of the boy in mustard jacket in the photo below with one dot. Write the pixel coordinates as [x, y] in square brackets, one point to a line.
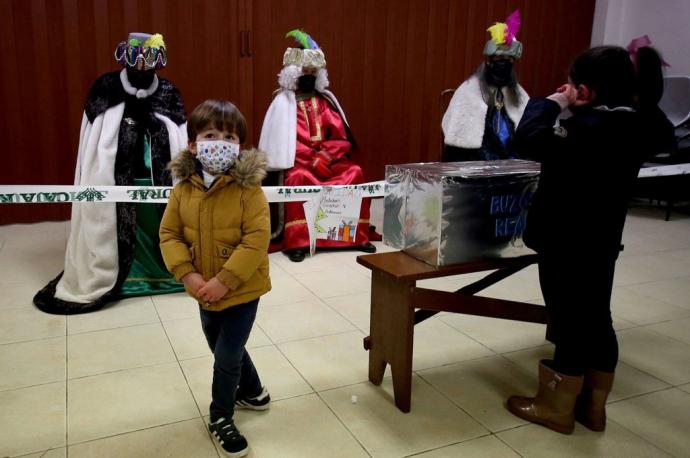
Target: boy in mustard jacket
[214, 238]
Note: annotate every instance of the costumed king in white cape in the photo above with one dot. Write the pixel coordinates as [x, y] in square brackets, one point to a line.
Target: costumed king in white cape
[481, 118]
[133, 125]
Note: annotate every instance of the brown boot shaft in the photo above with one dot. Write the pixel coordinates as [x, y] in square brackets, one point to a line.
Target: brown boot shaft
[590, 409]
[554, 404]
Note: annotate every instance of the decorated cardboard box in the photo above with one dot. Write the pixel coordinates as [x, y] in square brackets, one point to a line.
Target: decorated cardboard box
[453, 212]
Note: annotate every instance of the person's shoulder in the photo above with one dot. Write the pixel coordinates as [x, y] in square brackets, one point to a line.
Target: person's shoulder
[105, 92]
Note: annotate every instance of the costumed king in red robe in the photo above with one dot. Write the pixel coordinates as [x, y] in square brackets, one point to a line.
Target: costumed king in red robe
[305, 133]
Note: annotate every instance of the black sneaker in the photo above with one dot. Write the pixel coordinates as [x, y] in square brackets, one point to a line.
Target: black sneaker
[229, 438]
[260, 402]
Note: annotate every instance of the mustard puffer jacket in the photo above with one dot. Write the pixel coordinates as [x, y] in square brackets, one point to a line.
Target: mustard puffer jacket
[221, 232]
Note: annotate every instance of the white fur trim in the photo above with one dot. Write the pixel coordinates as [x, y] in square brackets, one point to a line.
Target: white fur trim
[279, 131]
[139, 93]
[464, 120]
[321, 80]
[91, 259]
[288, 76]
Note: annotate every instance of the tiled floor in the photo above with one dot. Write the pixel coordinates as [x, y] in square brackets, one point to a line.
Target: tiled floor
[133, 380]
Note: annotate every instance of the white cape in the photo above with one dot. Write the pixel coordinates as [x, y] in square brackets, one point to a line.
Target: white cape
[91, 258]
[464, 121]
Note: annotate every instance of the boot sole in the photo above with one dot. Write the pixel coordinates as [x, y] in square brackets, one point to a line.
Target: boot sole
[545, 423]
[596, 427]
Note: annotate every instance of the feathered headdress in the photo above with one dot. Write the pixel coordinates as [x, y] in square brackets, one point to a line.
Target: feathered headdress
[503, 40]
[309, 54]
[143, 51]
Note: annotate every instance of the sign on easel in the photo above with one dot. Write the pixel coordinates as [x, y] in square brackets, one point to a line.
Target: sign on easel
[333, 215]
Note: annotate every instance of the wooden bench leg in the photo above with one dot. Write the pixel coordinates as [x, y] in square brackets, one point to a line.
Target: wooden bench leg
[392, 331]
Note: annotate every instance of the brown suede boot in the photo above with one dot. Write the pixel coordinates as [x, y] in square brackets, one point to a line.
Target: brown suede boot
[590, 408]
[554, 404]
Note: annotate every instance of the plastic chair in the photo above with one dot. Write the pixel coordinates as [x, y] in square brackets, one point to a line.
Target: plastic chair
[675, 102]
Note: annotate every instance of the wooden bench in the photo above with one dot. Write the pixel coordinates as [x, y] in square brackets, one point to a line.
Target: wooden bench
[395, 296]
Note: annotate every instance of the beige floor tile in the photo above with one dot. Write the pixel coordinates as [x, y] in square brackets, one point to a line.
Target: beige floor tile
[285, 290]
[32, 363]
[481, 386]
[633, 270]
[330, 361]
[452, 283]
[499, 335]
[533, 441]
[19, 324]
[92, 353]
[355, 307]
[175, 306]
[12, 231]
[662, 418]
[685, 387]
[658, 355]
[386, 432]
[127, 401]
[529, 359]
[50, 453]
[297, 427]
[639, 309]
[629, 380]
[276, 373]
[258, 338]
[187, 338]
[620, 324]
[485, 447]
[322, 260]
[32, 419]
[334, 282]
[32, 261]
[436, 344]
[184, 439]
[676, 329]
[127, 312]
[675, 292]
[300, 320]
[514, 288]
[19, 294]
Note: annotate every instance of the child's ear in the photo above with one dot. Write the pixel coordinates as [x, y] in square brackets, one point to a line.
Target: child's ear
[192, 147]
[584, 94]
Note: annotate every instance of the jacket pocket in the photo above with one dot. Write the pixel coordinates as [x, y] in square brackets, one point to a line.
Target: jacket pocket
[223, 252]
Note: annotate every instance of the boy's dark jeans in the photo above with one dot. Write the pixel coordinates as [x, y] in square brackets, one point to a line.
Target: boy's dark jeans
[234, 373]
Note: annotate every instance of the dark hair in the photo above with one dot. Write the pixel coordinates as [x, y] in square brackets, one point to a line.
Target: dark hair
[221, 114]
[609, 72]
[650, 77]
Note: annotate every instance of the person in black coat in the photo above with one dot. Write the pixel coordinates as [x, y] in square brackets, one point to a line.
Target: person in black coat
[590, 162]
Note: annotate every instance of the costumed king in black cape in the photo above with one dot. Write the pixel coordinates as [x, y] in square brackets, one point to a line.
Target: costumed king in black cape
[133, 126]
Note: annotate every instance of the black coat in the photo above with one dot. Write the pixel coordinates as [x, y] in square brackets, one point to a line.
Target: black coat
[589, 166]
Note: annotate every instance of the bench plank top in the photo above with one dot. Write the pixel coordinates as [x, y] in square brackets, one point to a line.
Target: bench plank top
[404, 267]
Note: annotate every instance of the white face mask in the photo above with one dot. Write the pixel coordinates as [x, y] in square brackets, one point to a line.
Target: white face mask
[217, 156]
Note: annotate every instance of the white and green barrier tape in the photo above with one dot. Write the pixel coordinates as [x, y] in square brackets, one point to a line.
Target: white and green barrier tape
[49, 194]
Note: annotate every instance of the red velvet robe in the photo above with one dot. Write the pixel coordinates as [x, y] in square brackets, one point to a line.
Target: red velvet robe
[320, 128]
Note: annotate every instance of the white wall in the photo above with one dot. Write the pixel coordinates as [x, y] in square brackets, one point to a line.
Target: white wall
[667, 22]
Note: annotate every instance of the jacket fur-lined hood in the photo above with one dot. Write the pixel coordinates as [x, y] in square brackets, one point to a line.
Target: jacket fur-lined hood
[248, 170]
